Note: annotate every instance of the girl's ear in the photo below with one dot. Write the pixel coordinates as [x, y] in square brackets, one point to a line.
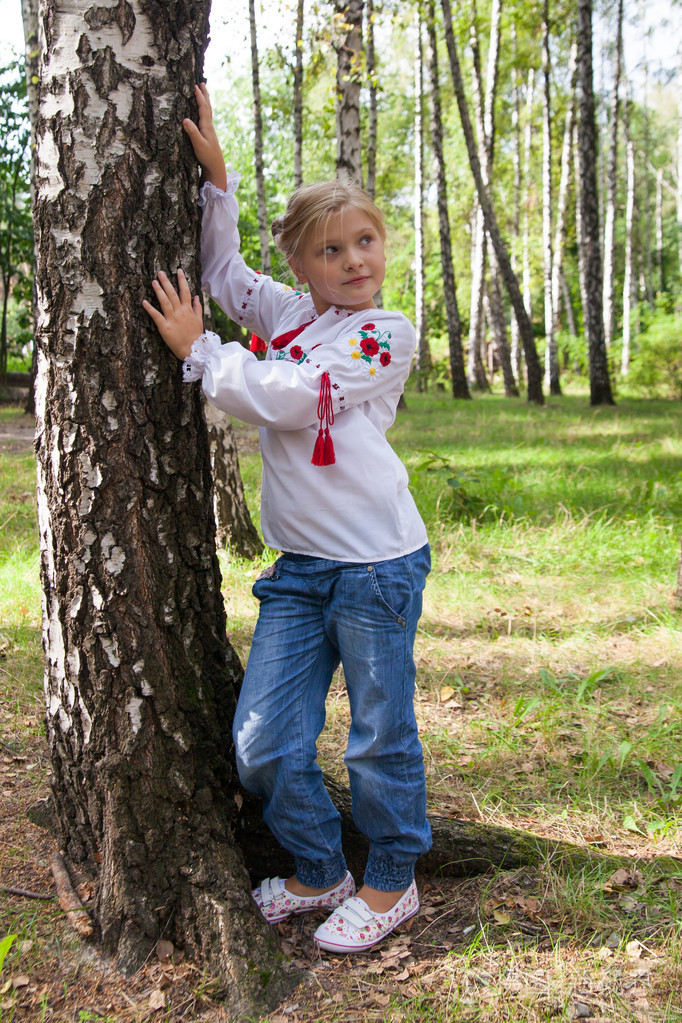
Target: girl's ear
[297, 270]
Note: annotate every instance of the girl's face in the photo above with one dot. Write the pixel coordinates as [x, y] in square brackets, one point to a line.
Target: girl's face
[342, 262]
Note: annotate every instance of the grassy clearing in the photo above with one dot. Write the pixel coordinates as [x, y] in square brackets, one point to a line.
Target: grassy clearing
[550, 689]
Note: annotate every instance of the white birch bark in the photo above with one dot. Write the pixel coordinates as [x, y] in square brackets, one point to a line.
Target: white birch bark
[611, 183]
[562, 200]
[423, 353]
[263, 227]
[551, 360]
[628, 277]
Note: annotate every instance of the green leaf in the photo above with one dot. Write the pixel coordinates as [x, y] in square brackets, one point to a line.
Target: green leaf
[5, 946]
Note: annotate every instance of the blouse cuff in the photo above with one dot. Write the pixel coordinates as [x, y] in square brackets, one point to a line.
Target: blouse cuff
[210, 193]
[205, 346]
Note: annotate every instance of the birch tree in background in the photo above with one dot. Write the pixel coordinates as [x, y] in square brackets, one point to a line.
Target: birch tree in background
[510, 281]
[263, 225]
[612, 183]
[628, 277]
[298, 96]
[551, 358]
[460, 388]
[348, 82]
[600, 384]
[562, 200]
[423, 350]
[139, 677]
[372, 119]
[29, 17]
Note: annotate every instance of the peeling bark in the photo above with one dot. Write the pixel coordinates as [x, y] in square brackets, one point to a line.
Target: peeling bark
[348, 80]
[139, 678]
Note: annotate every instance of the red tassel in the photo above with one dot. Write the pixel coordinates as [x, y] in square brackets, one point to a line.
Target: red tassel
[323, 452]
[257, 344]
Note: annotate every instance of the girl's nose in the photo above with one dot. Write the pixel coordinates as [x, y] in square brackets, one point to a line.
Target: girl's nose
[354, 258]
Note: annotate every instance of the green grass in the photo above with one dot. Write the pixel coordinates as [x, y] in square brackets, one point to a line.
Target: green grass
[549, 698]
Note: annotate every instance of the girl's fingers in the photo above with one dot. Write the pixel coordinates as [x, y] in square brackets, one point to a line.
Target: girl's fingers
[154, 313]
[183, 289]
[161, 297]
[169, 291]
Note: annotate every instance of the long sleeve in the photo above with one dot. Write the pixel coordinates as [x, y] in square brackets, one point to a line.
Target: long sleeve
[251, 299]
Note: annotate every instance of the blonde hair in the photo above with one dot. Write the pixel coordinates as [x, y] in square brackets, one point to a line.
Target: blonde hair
[312, 205]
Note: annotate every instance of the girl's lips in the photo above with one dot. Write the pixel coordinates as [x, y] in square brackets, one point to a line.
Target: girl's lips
[357, 280]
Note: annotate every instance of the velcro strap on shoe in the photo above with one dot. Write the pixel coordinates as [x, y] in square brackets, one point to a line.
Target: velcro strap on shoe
[270, 889]
[355, 912]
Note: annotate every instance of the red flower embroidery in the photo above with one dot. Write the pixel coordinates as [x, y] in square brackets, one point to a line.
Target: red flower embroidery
[385, 358]
[296, 352]
[369, 346]
[368, 326]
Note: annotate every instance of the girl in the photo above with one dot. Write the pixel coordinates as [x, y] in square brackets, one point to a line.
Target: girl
[348, 585]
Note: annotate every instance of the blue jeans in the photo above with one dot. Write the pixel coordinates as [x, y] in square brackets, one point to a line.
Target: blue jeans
[315, 613]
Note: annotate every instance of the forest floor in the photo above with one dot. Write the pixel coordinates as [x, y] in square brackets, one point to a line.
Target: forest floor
[550, 698]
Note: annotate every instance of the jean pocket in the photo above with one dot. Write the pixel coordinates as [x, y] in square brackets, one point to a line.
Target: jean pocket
[268, 575]
[392, 588]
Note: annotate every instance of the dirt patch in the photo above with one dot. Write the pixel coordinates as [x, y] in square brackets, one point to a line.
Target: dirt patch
[16, 435]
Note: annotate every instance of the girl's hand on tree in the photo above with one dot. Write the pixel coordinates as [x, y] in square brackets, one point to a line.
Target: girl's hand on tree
[205, 141]
[180, 320]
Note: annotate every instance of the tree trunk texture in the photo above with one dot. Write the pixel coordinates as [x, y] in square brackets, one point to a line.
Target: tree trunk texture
[659, 230]
[628, 277]
[423, 349]
[372, 117]
[29, 16]
[552, 381]
[460, 848]
[612, 184]
[515, 346]
[600, 384]
[139, 678]
[298, 96]
[476, 375]
[234, 526]
[562, 200]
[263, 226]
[527, 156]
[646, 149]
[510, 281]
[460, 388]
[348, 82]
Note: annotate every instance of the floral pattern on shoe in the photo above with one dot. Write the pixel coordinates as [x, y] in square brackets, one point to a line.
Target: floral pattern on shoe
[277, 903]
[354, 927]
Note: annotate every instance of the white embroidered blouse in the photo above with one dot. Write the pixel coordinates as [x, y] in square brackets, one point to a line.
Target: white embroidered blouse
[359, 508]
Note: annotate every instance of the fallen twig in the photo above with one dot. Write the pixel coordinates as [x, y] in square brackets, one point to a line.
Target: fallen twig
[24, 893]
[68, 900]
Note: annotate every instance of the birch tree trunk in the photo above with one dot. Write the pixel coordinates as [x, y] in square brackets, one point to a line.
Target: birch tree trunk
[562, 200]
[600, 384]
[611, 183]
[516, 163]
[628, 277]
[298, 96]
[423, 351]
[263, 226]
[525, 241]
[457, 373]
[372, 124]
[510, 281]
[348, 80]
[139, 678]
[659, 230]
[29, 17]
[551, 359]
[476, 375]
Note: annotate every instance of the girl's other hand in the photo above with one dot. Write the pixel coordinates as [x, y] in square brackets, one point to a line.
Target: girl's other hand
[180, 320]
[205, 141]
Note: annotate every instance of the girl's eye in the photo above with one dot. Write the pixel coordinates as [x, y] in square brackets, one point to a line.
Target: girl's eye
[366, 239]
[329, 250]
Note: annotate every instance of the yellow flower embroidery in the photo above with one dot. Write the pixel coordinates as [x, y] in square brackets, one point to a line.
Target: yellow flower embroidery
[352, 341]
[372, 371]
[355, 355]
